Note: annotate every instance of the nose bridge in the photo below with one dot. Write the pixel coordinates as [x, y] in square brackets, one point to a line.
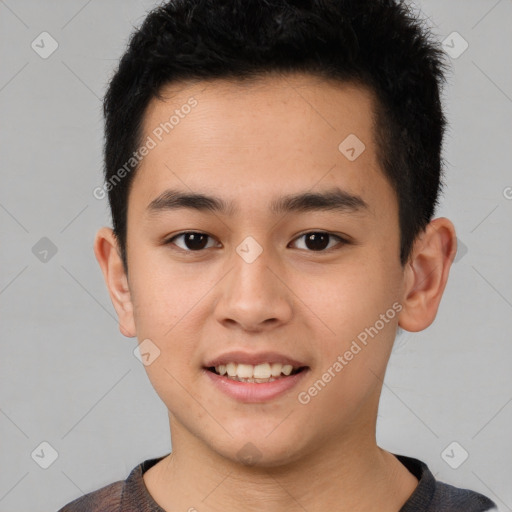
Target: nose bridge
[252, 293]
[252, 279]
[251, 268]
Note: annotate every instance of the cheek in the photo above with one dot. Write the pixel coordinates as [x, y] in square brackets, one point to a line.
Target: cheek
[358, 309]
[355, 348]
[165, 312]
[164, 294]
[348, 297]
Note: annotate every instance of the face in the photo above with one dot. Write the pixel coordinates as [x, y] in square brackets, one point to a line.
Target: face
[253, 274]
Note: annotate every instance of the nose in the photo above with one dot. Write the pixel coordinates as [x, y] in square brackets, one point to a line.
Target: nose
[254, 295]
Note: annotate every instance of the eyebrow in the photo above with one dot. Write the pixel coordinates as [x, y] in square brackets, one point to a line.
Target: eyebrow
[332, 199]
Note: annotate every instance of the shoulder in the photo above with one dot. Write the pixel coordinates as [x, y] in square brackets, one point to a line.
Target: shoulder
[432, 495]
[450, 498]
[106, 499]
[121, 496]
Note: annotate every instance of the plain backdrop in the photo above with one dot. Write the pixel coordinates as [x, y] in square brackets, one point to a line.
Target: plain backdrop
[70, 380]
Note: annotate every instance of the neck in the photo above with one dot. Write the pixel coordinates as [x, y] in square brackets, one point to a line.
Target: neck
[347, 474]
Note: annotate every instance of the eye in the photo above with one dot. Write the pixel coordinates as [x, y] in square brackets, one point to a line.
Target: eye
[192, 241]
[319, 240]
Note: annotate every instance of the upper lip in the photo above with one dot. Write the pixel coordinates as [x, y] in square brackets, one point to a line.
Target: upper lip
[242, 357]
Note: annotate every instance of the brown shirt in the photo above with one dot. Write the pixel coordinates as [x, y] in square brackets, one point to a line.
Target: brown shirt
[131, 495]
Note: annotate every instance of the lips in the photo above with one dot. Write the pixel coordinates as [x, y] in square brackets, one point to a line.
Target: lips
[255, 392]
[229, 373]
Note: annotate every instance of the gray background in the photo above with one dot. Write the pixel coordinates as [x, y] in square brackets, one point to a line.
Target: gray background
[70, 378]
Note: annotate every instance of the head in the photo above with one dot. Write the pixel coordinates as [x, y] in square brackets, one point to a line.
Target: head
[301, 143]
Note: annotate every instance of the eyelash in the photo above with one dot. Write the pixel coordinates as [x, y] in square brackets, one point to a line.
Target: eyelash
[342, 240]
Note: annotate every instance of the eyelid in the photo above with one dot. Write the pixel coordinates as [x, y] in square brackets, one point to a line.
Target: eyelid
[342, 240]
[170, 239]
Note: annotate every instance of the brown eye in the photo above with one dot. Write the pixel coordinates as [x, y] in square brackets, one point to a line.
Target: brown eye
[192, 241]
[318, 240]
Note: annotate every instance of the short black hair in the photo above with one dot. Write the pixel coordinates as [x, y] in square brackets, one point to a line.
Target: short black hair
[382, 45]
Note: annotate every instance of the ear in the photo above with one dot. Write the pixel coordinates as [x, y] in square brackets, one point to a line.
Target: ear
[426, 274]
[108, 255]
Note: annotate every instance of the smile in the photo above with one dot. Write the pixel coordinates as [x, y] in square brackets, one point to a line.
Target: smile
[260, 373]
[255, 389]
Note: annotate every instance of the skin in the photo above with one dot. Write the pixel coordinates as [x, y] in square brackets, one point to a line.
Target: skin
[251, 143]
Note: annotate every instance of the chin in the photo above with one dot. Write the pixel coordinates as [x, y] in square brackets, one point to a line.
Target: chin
[260, 450]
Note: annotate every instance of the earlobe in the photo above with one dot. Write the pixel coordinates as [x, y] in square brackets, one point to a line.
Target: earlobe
[108, 256]
[426, 274]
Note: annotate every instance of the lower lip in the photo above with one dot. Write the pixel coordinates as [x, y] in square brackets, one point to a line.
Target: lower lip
[255, 392]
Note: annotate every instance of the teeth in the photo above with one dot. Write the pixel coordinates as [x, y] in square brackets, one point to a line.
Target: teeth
[245, 371]
[287, 369]
[231, 369]
[276, 369]
[254, 373]
[262, 371]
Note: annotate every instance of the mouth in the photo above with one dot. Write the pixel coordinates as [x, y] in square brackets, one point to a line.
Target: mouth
[259, 373]
[254, 377]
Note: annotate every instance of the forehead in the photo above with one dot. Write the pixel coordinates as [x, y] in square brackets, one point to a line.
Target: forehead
[254, 138]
